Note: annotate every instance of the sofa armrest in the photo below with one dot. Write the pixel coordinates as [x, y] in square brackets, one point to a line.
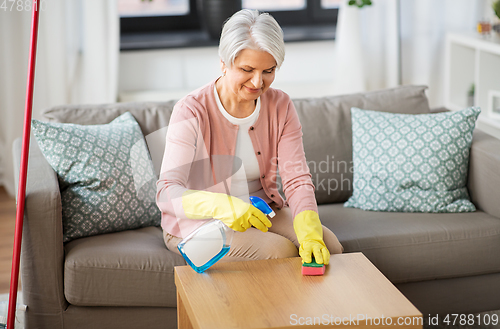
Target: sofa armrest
[484, 173]
[42, 252]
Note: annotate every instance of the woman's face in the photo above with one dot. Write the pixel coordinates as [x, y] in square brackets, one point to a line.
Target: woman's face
[251, 74]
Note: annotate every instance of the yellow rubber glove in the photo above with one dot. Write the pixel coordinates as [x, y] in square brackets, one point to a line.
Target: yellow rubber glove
[309, 233]
[235, 213]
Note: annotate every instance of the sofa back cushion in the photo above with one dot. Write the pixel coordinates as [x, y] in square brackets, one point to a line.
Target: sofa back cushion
[327, 133]
[151, 116]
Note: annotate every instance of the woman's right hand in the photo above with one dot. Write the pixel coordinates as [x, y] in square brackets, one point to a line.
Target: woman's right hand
[232, 211]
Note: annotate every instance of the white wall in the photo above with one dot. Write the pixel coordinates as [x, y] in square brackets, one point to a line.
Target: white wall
[307, 71]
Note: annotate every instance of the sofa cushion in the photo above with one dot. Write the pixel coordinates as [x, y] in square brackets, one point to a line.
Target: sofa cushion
[410, 247]
[105, 175]
[129, 268]
[412, 163]
[326, 125]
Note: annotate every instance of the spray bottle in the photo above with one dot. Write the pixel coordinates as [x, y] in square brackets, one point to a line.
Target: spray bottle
[210, 242]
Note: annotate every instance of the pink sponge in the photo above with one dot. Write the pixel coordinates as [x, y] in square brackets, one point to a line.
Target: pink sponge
[313, 268]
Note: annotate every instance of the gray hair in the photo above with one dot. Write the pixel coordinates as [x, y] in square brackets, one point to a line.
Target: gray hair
[250, 29]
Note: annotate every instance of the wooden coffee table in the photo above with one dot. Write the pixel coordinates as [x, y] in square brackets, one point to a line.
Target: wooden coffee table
[274, 294]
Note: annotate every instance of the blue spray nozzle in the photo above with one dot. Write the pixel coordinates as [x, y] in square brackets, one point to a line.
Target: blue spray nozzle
[262, 205]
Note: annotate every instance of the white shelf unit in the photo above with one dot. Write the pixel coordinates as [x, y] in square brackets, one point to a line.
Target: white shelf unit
[473, 59]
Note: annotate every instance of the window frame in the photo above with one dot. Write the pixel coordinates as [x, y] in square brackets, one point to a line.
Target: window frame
[312, 15]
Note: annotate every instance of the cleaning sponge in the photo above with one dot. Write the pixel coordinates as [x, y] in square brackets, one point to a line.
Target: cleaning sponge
[313, 268]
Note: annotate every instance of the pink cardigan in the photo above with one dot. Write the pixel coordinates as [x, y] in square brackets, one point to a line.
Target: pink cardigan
[200, 149]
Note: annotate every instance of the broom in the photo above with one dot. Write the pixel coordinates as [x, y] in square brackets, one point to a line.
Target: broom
[21, 195]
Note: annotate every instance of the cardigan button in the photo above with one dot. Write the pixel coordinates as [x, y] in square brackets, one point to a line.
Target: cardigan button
[272, 195]
[258, 153]
[251, 128]
[263, 176]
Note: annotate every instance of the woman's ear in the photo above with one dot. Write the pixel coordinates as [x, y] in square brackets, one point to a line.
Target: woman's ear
[223, 67]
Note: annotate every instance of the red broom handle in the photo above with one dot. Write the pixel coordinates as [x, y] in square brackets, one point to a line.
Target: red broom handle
[21, 195]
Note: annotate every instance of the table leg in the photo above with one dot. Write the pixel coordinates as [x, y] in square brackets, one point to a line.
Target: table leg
[183, 321]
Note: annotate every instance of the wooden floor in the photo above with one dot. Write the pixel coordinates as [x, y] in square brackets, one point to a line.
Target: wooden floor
[7, 224]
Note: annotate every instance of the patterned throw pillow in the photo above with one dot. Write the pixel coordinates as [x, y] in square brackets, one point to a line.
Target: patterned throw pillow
[411, 163]
[105, 174]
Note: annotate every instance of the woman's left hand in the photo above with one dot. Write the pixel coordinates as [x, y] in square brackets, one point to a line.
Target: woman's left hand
[309, 233]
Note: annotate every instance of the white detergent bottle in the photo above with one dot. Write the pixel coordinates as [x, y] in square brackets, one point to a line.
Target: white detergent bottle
[210, 242]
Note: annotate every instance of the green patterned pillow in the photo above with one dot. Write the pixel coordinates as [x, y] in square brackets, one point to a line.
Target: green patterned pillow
[411, 163]
[105, 174]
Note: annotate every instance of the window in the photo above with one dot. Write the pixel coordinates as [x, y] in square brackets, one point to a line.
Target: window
[149, 18]
[329, 4]
[138, 16]
[275, 5]
[131, 8]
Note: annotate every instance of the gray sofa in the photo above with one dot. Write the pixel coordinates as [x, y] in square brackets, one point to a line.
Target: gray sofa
[443, 263]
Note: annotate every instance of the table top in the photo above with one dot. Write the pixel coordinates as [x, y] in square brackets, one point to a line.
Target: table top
[274, 294]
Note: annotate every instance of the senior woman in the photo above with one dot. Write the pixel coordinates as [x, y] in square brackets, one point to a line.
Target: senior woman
[227, 140]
